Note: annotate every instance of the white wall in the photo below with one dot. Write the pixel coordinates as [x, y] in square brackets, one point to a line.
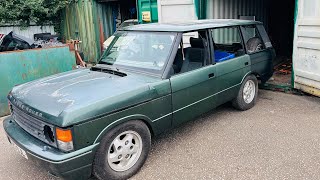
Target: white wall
[27, 32]
[306, 52]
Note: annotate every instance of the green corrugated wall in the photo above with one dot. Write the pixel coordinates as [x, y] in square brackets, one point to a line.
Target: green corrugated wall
[89, 21]
[23, 66]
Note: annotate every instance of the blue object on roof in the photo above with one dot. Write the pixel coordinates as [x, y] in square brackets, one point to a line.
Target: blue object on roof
[221, 56]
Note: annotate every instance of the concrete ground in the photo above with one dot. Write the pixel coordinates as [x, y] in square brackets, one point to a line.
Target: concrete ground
[278, 139]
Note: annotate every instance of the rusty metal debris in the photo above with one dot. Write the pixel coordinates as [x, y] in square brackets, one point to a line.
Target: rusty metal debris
[284, 68]
[74, 45]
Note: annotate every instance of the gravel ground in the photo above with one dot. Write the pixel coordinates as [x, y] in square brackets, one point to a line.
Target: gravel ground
[278, 139]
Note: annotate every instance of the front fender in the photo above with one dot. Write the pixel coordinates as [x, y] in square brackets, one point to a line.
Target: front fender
[157, 114]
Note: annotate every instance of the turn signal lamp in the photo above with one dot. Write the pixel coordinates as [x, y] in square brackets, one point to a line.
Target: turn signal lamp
[64, 139]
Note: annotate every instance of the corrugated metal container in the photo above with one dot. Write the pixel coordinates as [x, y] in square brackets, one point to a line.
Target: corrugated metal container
[28, 31]
[306, 51]
[201, 8]
[17, 67]
[91, 22]
[233, 9]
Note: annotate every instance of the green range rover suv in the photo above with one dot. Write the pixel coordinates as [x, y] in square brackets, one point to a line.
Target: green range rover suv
[152, 78]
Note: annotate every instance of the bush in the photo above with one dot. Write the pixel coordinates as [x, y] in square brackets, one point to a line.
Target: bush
[23, 12]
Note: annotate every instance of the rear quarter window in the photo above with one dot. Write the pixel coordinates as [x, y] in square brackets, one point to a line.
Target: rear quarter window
[264, 36]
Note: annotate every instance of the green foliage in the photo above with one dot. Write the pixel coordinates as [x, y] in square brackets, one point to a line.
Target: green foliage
[22, 12]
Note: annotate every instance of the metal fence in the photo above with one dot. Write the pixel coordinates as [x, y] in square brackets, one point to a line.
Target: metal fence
[17, 67]
[91, 22]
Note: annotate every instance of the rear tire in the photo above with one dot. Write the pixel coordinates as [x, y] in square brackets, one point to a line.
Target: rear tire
[122, 151]
[248, 93]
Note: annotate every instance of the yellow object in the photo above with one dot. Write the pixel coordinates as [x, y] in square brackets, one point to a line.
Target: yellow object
[146, 16]
[64, 135]
[308, 89]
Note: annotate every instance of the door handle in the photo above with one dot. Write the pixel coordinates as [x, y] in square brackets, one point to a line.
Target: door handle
[246, 63]
[211, 75]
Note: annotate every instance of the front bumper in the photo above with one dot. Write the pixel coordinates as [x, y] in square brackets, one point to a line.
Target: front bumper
[74, 165]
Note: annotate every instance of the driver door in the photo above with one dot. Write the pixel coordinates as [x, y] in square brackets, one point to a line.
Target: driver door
[193, 87]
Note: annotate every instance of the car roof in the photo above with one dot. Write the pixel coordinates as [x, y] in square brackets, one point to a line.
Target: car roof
[187, 26]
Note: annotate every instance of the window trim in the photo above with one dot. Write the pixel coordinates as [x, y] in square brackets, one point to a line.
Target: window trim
[166, 74]
[179, 39]
[257, 30]
[265, 38]
[241, 37]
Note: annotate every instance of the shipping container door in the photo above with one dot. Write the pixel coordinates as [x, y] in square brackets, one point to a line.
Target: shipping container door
[306, 55]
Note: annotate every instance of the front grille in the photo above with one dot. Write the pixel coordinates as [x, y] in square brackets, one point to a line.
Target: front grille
[32, 125]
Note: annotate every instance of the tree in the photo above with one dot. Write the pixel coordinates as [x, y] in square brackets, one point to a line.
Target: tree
[40, 12]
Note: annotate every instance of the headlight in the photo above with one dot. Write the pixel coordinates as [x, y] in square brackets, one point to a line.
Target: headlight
[64, 139]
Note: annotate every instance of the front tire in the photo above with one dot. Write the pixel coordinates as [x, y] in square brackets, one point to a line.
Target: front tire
[122, 151]
[248, 93]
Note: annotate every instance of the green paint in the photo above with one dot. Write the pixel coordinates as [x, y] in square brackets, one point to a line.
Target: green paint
[84, 17]
[295, 24]
[24, 66]
[96, 23]
[148, 5]
[72, 165]
[91, 103]
[201, 8]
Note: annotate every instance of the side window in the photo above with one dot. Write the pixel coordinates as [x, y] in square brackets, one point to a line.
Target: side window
[252, 39]
[192, 53]
[264, 36]
[227, 43]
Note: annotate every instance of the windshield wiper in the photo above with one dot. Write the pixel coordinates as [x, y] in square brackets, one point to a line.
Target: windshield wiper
[108, 70]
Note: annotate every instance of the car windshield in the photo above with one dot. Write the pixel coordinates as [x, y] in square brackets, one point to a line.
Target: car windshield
[144, 51]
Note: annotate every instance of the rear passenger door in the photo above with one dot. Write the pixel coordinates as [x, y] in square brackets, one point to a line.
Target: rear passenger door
[230, 60]
[260, 50]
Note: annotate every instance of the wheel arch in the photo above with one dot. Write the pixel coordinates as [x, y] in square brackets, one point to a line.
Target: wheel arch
[138, 117]
[256, 74]
[251, 73]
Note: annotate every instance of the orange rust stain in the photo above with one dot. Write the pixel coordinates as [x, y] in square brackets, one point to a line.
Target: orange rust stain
[102, 39]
